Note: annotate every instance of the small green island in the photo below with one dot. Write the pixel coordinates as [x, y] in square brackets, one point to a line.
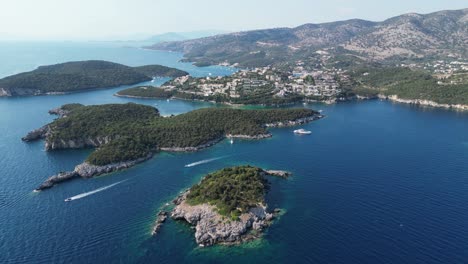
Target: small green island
[227, 206]
[127, 134]
[149, 92]
[80, 76]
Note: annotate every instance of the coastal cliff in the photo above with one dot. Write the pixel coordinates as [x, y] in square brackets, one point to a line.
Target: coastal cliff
[55, 143]
[212, 228]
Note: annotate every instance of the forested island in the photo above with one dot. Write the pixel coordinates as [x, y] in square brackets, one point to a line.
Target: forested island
[150, 92]
[227, 206]
[80, 76]
[126, 134]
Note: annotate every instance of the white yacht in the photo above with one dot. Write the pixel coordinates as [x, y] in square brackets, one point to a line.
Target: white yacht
[302, 132]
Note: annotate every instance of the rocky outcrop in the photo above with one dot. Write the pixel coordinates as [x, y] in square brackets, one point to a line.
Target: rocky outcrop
[424, 102]
[278, 173]
[36, 134]
[87, 170]
[259, 136]
[212, 228]
[59, 111]
[52, 143]
[296, 122]
[160, 219]
[19, 91]
[191, 149]
[4, 92]
[61, 177]
[364, 97]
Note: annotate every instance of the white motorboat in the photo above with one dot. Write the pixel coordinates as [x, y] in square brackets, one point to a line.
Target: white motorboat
[302, 132]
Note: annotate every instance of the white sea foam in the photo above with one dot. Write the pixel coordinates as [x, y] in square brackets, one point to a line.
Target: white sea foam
[203, 162]
[82, 195]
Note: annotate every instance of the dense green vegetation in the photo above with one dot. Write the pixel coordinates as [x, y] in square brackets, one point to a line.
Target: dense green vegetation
[71, 107]
[146, 92]
[121, 149]
[135, 130]
[260, 96]
[232, 190]
[160, 71]
[409, 84]
[81, 75]
[267, 99]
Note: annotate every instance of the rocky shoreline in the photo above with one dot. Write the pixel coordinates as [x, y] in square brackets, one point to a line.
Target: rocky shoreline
[211, 228]
[139, 97]
[76, 144]
[36, 134]
[255, 137]
[192, 149]
[86, 170]
[423, 102]
[278, 173]
[59, 111]
[300, 121]
[416, 102]
[160, 219]
[4, 92]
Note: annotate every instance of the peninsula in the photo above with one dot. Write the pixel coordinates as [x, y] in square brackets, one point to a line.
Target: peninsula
[228, 206]
[80, 76]
[405, 59]
[127, 134]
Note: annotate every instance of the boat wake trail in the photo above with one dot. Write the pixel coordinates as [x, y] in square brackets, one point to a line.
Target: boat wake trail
[203, 162]
[82, 195]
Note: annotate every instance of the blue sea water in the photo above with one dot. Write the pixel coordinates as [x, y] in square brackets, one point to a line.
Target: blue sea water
[375, 182]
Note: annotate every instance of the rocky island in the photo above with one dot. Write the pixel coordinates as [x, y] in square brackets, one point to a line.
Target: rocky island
[80, 76]
[227, 207]
[128, 134]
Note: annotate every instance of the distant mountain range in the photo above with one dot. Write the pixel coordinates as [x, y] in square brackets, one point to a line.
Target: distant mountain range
[410, 36]
[178, 36]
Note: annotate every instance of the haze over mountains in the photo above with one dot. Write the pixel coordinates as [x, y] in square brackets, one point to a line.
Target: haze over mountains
[178, 36]
[413, 36]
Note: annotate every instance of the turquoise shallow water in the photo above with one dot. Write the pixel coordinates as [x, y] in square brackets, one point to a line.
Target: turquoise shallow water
[375, 183]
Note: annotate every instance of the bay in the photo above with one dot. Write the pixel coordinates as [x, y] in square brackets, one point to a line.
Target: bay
[376, 182]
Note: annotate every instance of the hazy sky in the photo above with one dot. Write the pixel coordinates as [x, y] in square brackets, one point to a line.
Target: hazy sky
[102, 19]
